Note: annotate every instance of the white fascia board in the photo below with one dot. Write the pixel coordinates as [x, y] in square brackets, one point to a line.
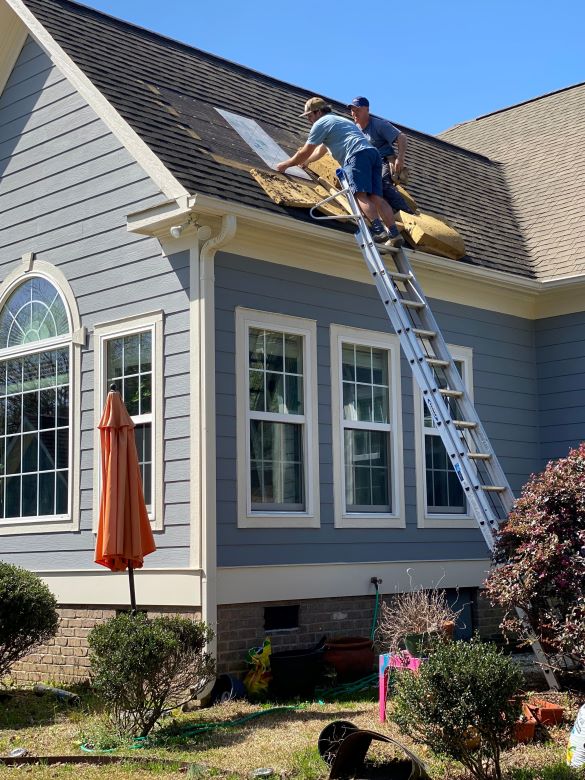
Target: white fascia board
[128, 137]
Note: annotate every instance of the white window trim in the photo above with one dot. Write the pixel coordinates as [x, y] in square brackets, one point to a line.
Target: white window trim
[340, 334]
[309, 518]
[29, 267]
[103, 332]
[424, 518]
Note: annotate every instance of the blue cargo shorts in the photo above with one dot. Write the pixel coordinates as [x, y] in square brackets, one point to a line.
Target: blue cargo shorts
[364, 171]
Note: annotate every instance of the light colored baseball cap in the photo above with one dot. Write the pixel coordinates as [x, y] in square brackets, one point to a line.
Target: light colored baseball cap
[315, 104]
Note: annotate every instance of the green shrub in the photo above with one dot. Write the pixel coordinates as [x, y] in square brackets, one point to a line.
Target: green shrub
[142, 667]
[464, 690]
[28, 614]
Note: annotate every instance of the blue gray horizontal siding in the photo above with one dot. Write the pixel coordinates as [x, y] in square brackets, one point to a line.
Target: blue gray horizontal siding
[505, 394]
[560, 357]
[66, 188]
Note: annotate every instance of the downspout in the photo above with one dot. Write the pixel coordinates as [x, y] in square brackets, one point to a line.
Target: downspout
[208, 499]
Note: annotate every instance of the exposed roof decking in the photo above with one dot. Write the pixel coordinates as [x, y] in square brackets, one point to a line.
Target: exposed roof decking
[168, 92]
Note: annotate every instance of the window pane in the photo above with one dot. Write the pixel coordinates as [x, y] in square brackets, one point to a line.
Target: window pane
[47, 450]
[277, 468]
[363, 364]
[2, 458]
[444, 492]
[364, 403]
[63, 406]
[47, 493]
[2, 416]
[348, 362]
[62, 448]
[131, 355]
[29, 495]
[30, 452]
[31, 372]
[275, 393]
[380, 367]
[33, 312]
[13, 454]
[48, 404]
[293, 350]
[274, 351]
[13, 376]
[257, 391]
[256, 348]
[30, 411]
[367, 471]
[48, 369]
[143, 436]
[13, 497]
[13, 414]
[115, 359]
[61, 507]
[146, 351]
[349, 402]
[294, 394]
[145, 393]
[130, 395]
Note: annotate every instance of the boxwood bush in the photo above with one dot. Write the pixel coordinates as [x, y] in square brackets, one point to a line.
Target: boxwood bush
[142, 667]
[28, 614]
[462, 703]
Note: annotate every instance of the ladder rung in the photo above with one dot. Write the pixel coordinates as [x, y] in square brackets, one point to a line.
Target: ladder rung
[451, 393]
[493, 488]
[424, 334]
[479, 455]
[437, 362]
[464, 424]
[398, 276]
[413, 304]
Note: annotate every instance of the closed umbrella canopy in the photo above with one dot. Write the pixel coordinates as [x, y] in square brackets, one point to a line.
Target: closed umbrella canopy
[124, 534]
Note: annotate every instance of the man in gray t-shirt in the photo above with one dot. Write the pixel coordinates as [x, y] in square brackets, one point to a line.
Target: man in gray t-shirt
[360, 160]
[384, 137]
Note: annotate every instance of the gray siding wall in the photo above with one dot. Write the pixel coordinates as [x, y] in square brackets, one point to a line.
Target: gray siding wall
[66, 186]
[505, 394]
[560, 355]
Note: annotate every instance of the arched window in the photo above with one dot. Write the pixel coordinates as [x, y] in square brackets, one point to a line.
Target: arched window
[35, 408]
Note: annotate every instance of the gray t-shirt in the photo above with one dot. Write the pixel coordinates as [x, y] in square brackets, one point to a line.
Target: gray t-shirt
[382, 134]
[341, 136]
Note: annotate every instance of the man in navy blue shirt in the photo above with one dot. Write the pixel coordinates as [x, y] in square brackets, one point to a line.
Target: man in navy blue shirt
[383, 136]
[361, 162]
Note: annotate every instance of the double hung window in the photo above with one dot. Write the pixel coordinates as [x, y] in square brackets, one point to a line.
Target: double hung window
[366, 420]
[129, 356]
[277, 482]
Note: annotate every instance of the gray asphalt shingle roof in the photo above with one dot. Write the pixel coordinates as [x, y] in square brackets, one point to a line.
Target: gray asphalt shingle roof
[540, 145]
[168, 91]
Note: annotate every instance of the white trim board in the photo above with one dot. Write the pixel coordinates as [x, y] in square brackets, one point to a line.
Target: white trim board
[259, 584]
[12, 38]
[128, 137]
[159, 588]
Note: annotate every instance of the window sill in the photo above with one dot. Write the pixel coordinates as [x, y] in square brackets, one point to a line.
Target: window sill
[369, 521]
[274, 520]
[447, 521]
[19, 526]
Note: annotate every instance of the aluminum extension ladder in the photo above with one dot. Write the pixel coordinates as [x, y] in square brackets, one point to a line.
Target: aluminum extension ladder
[484, 483]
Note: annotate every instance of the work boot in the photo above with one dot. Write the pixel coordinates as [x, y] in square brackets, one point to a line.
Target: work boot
[395, 240]
[379, 232]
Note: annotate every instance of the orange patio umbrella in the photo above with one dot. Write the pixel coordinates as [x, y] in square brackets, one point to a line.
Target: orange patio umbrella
[124, 535]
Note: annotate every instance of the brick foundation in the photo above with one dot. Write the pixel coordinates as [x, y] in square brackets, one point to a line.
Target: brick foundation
[65, 658]
[487, 619]
[241, 626]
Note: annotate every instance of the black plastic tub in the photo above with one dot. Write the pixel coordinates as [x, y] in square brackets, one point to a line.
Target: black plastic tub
[296, 672]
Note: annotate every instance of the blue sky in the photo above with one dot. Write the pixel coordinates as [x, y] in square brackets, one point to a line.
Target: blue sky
[427, 65]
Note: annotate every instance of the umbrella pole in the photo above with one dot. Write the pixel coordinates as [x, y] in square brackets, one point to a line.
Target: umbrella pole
[132, 591]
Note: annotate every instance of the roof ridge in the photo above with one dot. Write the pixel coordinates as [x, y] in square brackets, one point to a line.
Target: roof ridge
[514, 105]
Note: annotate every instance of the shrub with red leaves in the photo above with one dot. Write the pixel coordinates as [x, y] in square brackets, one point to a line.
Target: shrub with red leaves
[541, 556]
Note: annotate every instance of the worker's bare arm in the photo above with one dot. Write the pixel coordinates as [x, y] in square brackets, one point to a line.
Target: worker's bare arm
[299, 158]
[401, 144]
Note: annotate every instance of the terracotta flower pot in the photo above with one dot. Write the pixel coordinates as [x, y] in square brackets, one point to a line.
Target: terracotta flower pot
[545, 712]
[524, 730]
[353, 657]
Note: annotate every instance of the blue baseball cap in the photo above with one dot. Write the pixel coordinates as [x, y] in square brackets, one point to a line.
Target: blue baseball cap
[359, 102]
